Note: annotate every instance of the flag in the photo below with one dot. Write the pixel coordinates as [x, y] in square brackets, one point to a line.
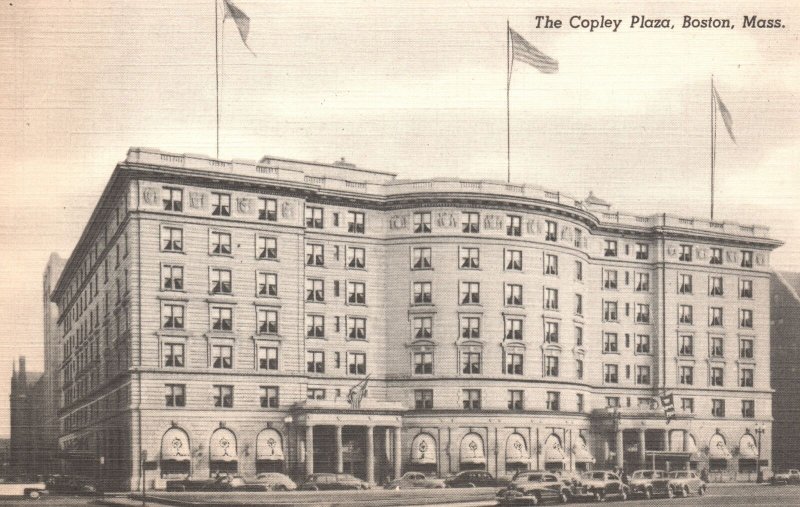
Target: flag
[240, 18]
[667, 402]
[523, 51]
[727, 119]
[357, 393]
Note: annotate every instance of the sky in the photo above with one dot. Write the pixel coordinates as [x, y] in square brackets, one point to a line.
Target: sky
[413, 87]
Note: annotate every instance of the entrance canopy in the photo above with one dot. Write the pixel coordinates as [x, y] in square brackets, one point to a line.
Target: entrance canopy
[175, 445]
[553, 450]
[717, 449]
[747, 447]
[423, 450]
[269, 446]
[472, 449]
[516, 450]
[581, 451]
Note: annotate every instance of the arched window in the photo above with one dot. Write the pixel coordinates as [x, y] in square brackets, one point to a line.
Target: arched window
[748, 454]
[517, 455]
[222, 452]
[583, 455]
[472, 455]
[718, 453]
[423, 453]
[176, 455]
[269, 451]
[554, 456]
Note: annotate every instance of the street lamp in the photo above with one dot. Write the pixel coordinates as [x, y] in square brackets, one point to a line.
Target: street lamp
[759, 431]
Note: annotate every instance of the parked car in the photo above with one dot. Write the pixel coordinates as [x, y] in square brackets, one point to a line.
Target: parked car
[650, 483]
[70, 485]
[415, 480]
[317, 482]
[574, 482]
[220, 483]
[274, 481]
[683, 482]
[791, 476]
[533, 488]
[475, 479]
[603, 484]
[22, 488]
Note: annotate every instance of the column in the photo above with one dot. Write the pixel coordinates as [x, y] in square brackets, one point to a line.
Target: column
[398, 454]
[666, 448]
[642, 446]
[686, 449]
[339, 457]
[309, 450]
[620, 449]
[371, 454]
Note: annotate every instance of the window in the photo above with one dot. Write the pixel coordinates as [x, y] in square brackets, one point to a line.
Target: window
[471, 399]
[551, 366]
[610, 342]
[470, 293]
[315, 255]
[609, 279]
[579, 368]
[686, 375]
[747, 259]
[355, 222]
[315, 291]
[686, 253]
[172, 316]
[514, 364]
[422, 222]
[610, 311]
[266, 248]
[221, 281]
[173, 199]
[716, 349]
[513, 329]
[514, 260]
[314, 217]
[315, 326]
[220, 205]
[269, 397]
[356, 258]
[267, 284]
[268, 358]
[222, 356]
[421, 258]
[315, 362]
[716, 256]
[550, 299]
[718, 408]
[356, 293]
[423, 328]
[578, 238]
[357, 328]
[610, 249]
[221, 318]
[268, 209]
[470, 258]
[642, 282]
[356, 363]
[423, 363]
[685, 284]
[470, 222]
[471, 363]
[687, 405]
[612, 401]
[513, 225]
[267, 321]
[642, 313]
[513, 294]
[717, 376]
[748, 409]
[175, 395]
[643, 375]
[746, 348]
[578, 270]
[550, 264]
[685, 345]
[746, 377]
[578, 304]
[553, 401]
[515, 400]
[223, 396]
[171, 277]
[611, 373]
[578, 336]
[552, 231]
[746, 318]
[685, 314]
[642, 251]
[579, 405]
[746, 289]
[551, 332]
[423, 399]
[642, 344]
[715, 286]
[422, 293]
[171, 239]
[173, 355]
[315, 394]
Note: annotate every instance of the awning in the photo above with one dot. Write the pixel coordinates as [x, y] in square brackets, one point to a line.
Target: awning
[581, 452]
[472, 449]
[553, 450]
[717, 448]
[423, 450]
[175, 445]
[691, 448]
[269, 446]
[516, 450]
[748, 448]
[222, 446]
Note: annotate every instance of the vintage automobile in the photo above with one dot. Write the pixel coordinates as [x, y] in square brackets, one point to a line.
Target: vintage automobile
[415, 480]
[650, 483]
[220, 483]
[475, 479]
[684, 482]
[22, 488]
[324, 481]
[574, 482]
[791, 476]
[533, 488]
[70, 485]
[275, 481]
[603, 484]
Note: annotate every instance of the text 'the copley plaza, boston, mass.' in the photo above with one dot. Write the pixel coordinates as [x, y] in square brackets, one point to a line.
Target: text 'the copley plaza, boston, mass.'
[638, 22]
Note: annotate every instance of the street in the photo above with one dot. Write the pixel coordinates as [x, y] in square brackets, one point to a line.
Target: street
[720, 495]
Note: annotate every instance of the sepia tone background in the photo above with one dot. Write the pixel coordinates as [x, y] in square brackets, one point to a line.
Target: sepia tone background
[415, 87]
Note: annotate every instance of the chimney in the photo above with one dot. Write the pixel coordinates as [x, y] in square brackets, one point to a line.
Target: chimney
[22, 379]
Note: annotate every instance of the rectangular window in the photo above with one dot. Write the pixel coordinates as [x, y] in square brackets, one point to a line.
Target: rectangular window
[470, 258]
[220, 205]
[220, 243]
[746, 377]
[718, 408]
[552, 231]
[471, 399]
[610, 311]
[687, 405]
[747, 259]
[748, 409]
[685, 314]
[357, 328]
[220, 281]
[422, 222]
[171, 277]
[578, 336]
[315, 255]
[267, 284]
[716, 348]
[514, 260]
[175, 395]
[356, 222]
[470, 222]
[171, 240]
[717, 376]
[610, 249]
[470, 293]
[421, 258]
[610, 342]
[685, 284]
[423, 363]
[686, 375]
[514, 329]
[315, 362]
[553, 401]
[578, 270]
[223, 396]
[550, 264]
[315, 291]
[746, 318]
[269, 397]
[550, 299]
[173, 355]
[686, 253]
[173, 199]
[172, 316]
[642, 313]
[423, 399]
[315, 394]
[716, 256]
[356, 293]
[513, 225]
[642, 282]
[643, 375]
[267, 321]
[268, 209]
[686, 345]
[515, 400]
[551, 332]
[578, 242]
[514, 364]
[422, 293]
[423, 328]
[642, 251]
[642, 344]
[356, 258]
[222, 356]
[579, 404]
[551, 366]
[221, 318]
[578, 304]
[609, 279]
[611, 373]
[470, 363]
[268, 358]
[314, 217]
[315, 326]
[746, 289]
[612, 401]
[266, 248]
[356, 363]
[715, 286]
[746, 348]
[513, 293]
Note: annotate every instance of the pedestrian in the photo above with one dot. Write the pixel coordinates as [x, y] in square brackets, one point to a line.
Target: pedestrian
[624, 477]
[704, 475]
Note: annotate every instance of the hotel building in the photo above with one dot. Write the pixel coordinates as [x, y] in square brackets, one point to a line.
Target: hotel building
[224, 315]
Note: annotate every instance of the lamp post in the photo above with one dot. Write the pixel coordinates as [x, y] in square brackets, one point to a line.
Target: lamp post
[759, 431]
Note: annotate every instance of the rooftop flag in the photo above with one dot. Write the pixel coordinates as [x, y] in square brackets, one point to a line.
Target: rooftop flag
[727, 119]
[523, 51]
[668, 404]
[241, 19]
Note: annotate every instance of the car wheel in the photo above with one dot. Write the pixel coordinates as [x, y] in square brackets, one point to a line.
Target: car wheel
[281, 487]
[624, 495]
[33, 495]
[685, 491]
[599, 496]
[648, 494]
[670, 493]
[535, 499]
[702, 490]
[470, 485]
[313, 487]
[564, 497]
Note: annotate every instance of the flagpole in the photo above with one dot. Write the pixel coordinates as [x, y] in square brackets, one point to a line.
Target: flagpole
[216, 62]
[508, 98]
[713, 143]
